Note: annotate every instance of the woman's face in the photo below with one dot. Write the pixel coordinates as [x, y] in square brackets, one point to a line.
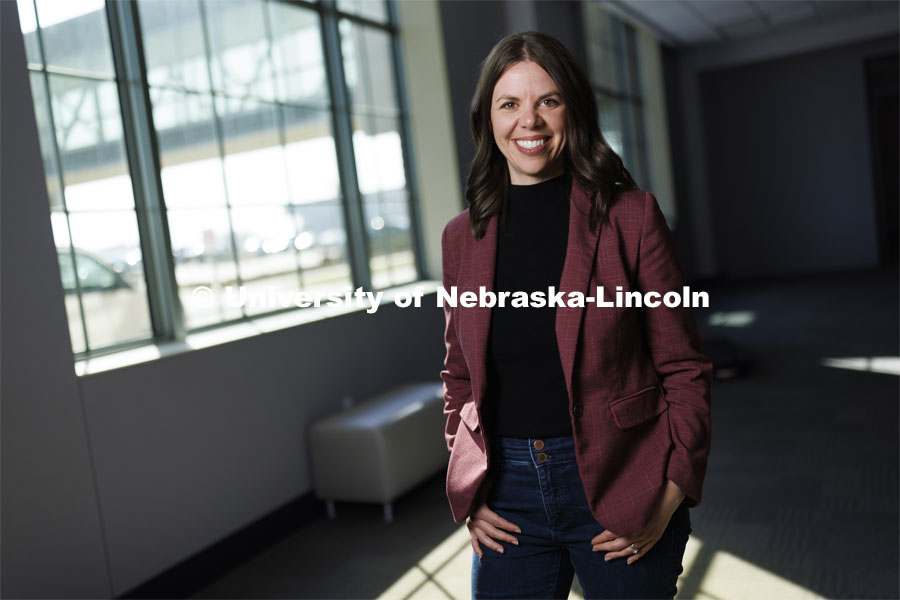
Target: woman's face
[527, 108]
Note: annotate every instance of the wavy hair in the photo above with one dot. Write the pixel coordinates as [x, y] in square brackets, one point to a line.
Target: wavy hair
[586, 154]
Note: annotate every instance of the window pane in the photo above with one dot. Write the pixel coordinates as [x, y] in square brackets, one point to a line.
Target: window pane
[191, 174]
[311, 158]
[202, 250]
[314, 187]
[370, 9]
[45, 135]
[28, 25]
[173, 44]
[110, 271]
[297, 54]
[611, 123]
[239, 48]
[322, 244]
[369, 67]
[391, 257]
[379, 154]
[267, 256]
[382, 182]
[89, 134]
[254, 158]
[76, 36]
[67, 273]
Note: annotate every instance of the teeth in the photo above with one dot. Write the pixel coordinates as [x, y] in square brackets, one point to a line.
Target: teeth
[532, 143]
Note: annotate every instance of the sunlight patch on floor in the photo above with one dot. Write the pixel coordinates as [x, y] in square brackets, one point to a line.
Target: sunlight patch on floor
[737, 318]
[442, 573]
[889, 365]
[731, 577]
[445, 573]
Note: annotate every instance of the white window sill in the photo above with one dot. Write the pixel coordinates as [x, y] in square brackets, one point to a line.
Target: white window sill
[239, 331]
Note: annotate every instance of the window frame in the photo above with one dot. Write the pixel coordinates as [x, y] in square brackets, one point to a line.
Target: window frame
[139, 137]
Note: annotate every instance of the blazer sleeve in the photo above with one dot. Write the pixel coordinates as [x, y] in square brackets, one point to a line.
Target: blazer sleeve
[455, 375]
[674, 344]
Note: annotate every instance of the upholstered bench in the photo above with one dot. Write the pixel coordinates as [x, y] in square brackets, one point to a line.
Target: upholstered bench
[381, 448]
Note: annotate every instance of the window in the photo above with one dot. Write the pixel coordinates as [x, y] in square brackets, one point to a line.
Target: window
[217, 143]
[614, 64]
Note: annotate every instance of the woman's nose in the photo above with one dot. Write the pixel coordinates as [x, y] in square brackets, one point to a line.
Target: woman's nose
[530, 118]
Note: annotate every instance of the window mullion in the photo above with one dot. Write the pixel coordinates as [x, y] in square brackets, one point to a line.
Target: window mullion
[352, 204]
[143, 157]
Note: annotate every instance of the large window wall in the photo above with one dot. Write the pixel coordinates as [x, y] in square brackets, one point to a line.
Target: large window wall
[197, 146]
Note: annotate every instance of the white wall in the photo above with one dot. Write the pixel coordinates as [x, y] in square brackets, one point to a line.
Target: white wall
[431, 123]
[52, 543]
[111, 478]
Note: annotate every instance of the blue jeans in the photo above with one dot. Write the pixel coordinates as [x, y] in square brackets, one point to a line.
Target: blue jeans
[546, 499]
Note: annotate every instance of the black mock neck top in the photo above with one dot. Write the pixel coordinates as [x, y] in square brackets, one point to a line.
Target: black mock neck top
[527, 394]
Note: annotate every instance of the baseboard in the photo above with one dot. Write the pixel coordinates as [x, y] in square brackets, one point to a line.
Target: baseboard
[201, 569]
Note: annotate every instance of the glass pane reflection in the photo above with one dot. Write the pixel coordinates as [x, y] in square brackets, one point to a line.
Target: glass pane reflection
[254, 157]
[297, 55]
[89, 135]
[378, 149]
[240, 48]
[202, 251]
[191, 172]
[76, 36]
[391, 257]
[265, 239]
[312, 168]
[369, 68]
[370, 9]
[110, 272]
[45, 135]
[173, 44]
[28, 26]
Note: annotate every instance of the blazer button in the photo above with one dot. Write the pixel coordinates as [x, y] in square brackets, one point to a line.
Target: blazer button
[577, 409]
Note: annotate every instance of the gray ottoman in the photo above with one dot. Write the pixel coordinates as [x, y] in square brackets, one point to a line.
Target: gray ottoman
[381, 448]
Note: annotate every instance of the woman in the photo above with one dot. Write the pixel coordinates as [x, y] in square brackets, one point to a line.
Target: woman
[578, 435]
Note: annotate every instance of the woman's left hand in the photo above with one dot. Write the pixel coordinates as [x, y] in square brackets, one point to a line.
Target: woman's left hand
[617, 546]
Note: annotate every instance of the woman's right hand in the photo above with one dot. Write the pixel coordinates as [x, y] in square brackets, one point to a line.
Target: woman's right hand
[485, 525]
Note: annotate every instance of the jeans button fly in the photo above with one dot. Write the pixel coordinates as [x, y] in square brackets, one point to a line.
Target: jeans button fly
[542, 457]
[538, 444]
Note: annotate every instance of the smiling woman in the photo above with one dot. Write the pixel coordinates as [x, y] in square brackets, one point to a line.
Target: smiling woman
[578, 432]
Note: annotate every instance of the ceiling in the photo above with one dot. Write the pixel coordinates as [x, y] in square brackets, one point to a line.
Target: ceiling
[693, 22]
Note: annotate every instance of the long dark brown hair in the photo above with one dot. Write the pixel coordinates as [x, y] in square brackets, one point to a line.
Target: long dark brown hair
[586, 154]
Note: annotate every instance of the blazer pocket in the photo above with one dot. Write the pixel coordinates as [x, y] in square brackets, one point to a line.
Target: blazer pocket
[469, 415]
[638, 407]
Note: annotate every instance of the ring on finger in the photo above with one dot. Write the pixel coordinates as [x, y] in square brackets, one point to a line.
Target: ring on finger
[635, 549]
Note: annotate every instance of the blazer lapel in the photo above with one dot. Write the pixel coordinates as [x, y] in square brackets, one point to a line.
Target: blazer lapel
[580, 253]
[477, 320]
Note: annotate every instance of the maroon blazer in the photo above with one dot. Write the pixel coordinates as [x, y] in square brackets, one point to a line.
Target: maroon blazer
[638, 385]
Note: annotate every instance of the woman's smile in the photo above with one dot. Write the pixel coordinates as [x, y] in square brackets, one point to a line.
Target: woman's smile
[532, 147]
